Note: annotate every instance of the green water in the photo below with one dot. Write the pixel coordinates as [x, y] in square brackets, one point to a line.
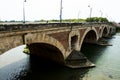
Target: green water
[107, 60]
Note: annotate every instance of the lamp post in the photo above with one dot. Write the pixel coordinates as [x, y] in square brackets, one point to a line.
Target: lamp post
[101, 13]
[60, 11]
[78, 15]
[90, 12]
[90, 16]
[24, 11]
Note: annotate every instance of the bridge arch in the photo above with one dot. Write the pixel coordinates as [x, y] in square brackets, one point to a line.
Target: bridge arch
[43, 40]
[90, 36]
[46, 51]
[112, 31]
[104, 32]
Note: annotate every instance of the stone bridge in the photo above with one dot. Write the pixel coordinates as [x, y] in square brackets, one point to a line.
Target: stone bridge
[52, 41]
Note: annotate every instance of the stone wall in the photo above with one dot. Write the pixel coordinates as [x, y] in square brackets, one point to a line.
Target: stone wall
[9, 42]
[13, 35]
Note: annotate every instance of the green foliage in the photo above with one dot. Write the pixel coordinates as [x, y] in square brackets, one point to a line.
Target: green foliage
[97, 19]
[73, 20]
[92, 19]
[64, 20]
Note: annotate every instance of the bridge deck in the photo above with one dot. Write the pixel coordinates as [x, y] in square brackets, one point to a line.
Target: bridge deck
[34, 25]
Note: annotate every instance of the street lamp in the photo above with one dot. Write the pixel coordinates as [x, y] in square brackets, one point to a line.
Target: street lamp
[90, 11]
[90, 16]
[101, 13]
[61, 11]
[24, 11]
[78, 15]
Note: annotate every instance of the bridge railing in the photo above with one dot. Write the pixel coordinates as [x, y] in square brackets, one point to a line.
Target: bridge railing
[27, 26]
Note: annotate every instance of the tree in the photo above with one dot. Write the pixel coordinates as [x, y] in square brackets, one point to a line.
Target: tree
[97, 19]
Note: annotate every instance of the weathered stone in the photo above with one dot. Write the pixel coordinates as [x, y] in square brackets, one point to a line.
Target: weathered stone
[64, 39]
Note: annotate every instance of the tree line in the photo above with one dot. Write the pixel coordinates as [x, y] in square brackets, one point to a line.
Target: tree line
[92, 19]
[97, 19]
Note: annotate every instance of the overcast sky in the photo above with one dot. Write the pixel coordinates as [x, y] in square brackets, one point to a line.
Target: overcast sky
[50, 9]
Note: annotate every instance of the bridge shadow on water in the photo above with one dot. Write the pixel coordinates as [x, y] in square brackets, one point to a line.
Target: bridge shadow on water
[42, 69]
[37, 68]
[92, 51]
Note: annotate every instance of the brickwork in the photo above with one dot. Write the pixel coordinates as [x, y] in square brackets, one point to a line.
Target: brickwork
[10, 42]
[66, 37]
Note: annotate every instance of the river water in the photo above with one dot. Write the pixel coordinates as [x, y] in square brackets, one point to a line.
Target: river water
[15, 65]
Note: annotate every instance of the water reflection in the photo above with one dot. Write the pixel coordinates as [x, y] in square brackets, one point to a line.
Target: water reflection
[19, 66]
[45, 70]
[93, 52]
[14, 70]
[34, 68]
[106, 60]
[12, 56]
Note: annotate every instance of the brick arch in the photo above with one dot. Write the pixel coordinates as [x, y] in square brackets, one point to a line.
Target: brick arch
[85, 33]
[43, 38]
[47, 51]
[111, 31]
[105, 31]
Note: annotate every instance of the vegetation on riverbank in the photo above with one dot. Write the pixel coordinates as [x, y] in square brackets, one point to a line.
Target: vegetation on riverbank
[26, 50]
[97, 19]
[79, 20]
[92, 19]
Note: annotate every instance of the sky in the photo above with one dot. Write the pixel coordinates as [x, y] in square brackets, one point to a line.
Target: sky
[50, 9]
